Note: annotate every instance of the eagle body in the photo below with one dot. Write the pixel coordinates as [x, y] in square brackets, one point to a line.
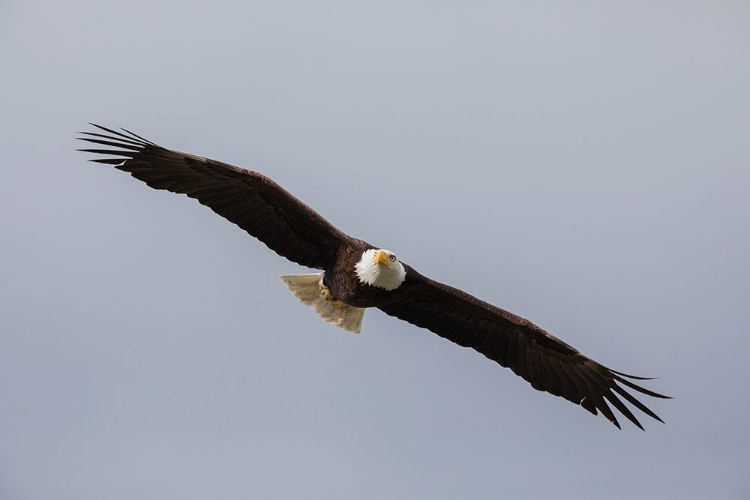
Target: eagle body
[357, 275]
[344, 284]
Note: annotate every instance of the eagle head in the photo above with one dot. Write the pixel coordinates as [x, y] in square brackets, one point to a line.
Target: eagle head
[380, 268]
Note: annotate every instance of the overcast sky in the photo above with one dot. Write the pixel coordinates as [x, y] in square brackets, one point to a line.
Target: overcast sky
[582, 164]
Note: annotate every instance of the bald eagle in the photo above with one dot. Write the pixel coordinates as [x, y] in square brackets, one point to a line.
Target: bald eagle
[357, 275]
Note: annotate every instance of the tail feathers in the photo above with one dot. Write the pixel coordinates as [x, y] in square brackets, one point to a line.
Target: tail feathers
[307, 287]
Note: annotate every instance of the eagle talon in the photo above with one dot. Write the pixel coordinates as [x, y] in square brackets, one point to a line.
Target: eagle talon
[326, 293]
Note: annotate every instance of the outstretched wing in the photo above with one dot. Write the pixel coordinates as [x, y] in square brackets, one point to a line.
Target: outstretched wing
[546, 362]
[249, 199]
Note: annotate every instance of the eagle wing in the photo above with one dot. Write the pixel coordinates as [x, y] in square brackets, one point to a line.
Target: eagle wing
[251, 200]
[546, 362]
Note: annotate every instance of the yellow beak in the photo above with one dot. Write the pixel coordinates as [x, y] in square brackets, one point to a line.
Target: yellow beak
[382, 258]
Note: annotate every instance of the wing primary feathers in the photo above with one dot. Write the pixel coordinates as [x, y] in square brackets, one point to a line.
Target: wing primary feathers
[605, 409]
[122, 145]
[622, 409]
[113, 152]
[108, 161]
[139, 137]
[589, 393]
[115, 132]
[633, 401]
[109, 137]
[631, 376]
[640, 389]
[596, 379]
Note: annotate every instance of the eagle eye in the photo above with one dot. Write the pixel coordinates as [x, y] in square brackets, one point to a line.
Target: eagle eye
[393, 258]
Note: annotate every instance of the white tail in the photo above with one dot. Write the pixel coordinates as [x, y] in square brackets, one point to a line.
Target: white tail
[307, 288]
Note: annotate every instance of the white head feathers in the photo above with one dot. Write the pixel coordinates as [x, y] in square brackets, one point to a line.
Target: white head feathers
[380, 268]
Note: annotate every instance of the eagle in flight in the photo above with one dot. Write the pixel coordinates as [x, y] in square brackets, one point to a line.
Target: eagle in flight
[357, 275]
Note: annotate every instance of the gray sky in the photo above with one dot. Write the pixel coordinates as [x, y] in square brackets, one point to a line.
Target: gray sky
[583, 165]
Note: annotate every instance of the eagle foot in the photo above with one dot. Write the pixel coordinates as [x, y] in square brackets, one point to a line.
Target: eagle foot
[326, 293]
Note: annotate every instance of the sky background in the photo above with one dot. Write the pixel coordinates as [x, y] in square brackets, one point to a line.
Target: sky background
[582, 164]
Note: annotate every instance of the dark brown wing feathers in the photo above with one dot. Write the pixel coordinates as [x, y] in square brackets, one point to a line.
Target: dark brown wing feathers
[546, 362]
[249, 199]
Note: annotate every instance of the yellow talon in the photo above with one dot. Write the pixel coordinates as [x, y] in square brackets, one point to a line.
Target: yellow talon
[327, 295]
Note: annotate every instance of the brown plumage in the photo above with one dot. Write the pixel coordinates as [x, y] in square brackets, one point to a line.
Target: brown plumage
[293, 230]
